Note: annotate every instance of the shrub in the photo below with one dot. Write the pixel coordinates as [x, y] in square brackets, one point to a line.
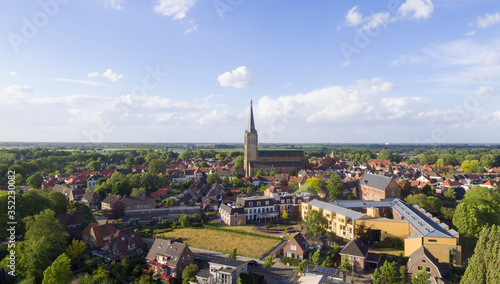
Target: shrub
[291, 261]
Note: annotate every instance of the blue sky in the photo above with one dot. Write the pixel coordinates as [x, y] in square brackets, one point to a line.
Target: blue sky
[402, 71]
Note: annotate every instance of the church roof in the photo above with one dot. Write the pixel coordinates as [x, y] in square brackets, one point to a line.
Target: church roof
[275, 164]
[281, 154]
[251, 123]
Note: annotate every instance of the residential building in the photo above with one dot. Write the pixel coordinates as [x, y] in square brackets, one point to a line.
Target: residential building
[259, 208]
[222, 271]
[232, 215]
[124, 243]
[71, 222]
[91, 199]
[296, 247]
[356, 252]
[96, 236]
[423, 258]
[376, 187]
[169, 257]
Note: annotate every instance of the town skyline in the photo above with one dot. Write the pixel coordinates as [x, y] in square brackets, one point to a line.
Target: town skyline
[413, 71]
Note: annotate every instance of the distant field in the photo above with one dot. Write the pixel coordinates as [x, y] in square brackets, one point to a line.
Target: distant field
[250, 246]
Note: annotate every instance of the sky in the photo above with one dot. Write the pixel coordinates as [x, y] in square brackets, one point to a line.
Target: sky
[397, 71]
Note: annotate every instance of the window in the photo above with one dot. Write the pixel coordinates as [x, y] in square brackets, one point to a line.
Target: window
[267, 202]
[293, 247]
[258, 203]
[432, 240]
[356, 258]
[419, 268]
[189, 256]
[424, 261]
[282, 201]
[250, 203]
[392, 193]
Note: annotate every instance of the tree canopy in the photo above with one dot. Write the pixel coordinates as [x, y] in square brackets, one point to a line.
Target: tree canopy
[483, 265]
[335, 188]
[315, 222]
[59, 271]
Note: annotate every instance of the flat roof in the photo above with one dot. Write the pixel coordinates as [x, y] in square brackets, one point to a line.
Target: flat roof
[336, 209]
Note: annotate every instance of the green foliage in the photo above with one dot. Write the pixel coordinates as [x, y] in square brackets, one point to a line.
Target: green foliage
[317, 183]
[422, 277]
[291, 261]
[185, 221]
[145, 279]
[238, 162]
[447, 213]
[335, 188]
[35, 180]
[307, 188]
[478, 209]
[269, 262]
[450, 195]
[246, 278]
[302, 266]
[59, 272]
[138, 191]
[315, 223]
[58, 202]
[190, 271]
[259, 173]
[232, 254]
[157, 166]
[345, 263]
[316, 257]
[75, 249]
[429, 203]
[285, 215]
[213, 178]
[483, 265]
[387, 274]
[100, 274]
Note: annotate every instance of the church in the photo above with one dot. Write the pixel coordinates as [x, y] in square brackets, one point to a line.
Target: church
[279, 161]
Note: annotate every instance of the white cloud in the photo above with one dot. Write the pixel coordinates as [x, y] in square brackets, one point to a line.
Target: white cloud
[353, 17]
[375, 20]
[345, 64]
[12, 73]
[239, 78]
[108, 74]
[416, 9]
[405, 59]
[192, 27]
[488, 20]
[174, 8]
[471, 33]
[496, 115]
[289, 85]
[17, 90]
[115, 4]
[91, 83]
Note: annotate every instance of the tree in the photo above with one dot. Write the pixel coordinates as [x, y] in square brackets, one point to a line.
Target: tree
[35, 181]
[315, 223]
[145, 279]
[138, 191]
[225, 181]
[185, 221]
[447, 213]
[157, 166]
[59, 272]
[450, 195]
[232, 253]
[427, 189]
[259, 173]
[345, 263]
[316, 182]
[58, 202]
[213, 178]
[316, 257]
[238, 162]
[117, 210]
[421, 278]
[307, 188]
[483, 265]
[285, 215]
[75, 249]
[94, 166]
[335, 188]
[100, 274]
[236, 182]
[302, 265]
[269, 262]
[189, 272]
[388, 272]
[478, 209]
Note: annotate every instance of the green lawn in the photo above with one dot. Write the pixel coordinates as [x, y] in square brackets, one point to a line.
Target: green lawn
[250, 246]
[392, 251]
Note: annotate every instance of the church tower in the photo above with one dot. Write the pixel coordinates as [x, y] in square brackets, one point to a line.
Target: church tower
[251, 143]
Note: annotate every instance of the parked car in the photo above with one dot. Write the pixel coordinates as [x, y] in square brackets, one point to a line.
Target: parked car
[253, 263]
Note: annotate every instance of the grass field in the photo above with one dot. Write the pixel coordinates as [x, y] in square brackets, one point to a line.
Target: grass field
[223, 241]
[392, 251]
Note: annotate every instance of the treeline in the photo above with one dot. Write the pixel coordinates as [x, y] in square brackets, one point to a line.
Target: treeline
[130, 185]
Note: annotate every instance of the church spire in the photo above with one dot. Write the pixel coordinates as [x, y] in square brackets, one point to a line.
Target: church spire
[251, 124]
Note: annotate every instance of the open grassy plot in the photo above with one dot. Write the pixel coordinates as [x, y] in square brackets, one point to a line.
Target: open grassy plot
[392, 251]
[220, 241]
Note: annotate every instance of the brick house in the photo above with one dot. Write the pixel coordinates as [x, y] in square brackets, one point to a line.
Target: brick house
[91, 199]
[232, 215]
[356, 251]
[124, 242]
[296, 247]
[169, 257]
[96, 236]
[376, 187]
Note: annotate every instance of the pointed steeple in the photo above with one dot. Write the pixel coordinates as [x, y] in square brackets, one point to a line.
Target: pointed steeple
[251, 124]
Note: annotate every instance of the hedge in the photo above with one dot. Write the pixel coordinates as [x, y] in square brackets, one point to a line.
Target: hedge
[291, 261]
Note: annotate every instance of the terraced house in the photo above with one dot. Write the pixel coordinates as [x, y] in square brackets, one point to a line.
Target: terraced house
[391, 218]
